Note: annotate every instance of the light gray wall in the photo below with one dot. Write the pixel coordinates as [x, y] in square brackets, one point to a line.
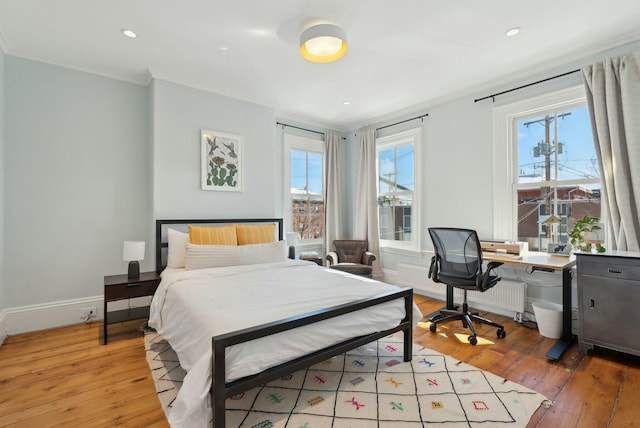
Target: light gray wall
[179, 113]
[78, 157]
[2, 169]
[90, 162]
[457, 184]
[457, 156]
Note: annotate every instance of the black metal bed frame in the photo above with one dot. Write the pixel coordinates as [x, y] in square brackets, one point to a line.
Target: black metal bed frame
[221, 389]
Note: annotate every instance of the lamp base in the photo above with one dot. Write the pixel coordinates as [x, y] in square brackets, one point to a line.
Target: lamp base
[134, 270]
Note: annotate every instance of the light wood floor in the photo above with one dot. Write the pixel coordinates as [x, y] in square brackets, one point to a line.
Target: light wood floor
[66, 378]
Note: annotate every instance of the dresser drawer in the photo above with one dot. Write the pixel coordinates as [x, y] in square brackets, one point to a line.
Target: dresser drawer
[132, 289]
[609, 267]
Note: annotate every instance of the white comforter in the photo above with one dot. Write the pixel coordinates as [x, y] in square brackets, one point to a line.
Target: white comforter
[190, 307]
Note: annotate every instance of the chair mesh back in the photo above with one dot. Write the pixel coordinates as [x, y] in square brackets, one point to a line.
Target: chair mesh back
[458, 250]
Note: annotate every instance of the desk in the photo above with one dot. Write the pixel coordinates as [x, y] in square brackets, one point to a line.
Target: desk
[544, 262]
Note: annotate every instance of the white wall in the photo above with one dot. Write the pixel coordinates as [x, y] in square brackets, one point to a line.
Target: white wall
[2, 169]
[90, 162]
[457, 186]
[77, 162]
[179, 113]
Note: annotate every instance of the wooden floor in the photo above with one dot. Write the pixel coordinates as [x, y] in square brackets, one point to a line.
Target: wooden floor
[65, 377]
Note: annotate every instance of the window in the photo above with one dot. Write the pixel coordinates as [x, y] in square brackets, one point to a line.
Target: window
[397, 175]
[305, 187]
[555, 175]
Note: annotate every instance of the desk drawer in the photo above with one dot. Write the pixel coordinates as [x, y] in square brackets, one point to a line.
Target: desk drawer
[610, 267]
[134, 289]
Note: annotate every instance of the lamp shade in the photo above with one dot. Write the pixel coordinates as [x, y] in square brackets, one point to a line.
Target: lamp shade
[323, 43]
[292, 239]
[133, 250]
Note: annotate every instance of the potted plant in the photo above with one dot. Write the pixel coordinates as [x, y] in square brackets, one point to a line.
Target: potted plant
[582, 235]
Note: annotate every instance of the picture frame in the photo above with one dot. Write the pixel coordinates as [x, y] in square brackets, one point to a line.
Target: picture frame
[559, 248]
[221, 161]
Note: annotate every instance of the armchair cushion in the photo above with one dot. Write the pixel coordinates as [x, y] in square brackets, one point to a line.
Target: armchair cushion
[354, 268]
[351, 256]
[350, 251]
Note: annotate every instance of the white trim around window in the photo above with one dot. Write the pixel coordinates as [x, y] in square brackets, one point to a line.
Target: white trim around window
[411, 136]
[505, 156]
[297, 142]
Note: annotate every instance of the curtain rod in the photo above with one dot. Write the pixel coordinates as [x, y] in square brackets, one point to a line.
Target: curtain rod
[493, 96]
[304, 129]
[403, 121]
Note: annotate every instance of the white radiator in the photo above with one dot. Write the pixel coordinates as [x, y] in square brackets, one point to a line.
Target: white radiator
[504, 298]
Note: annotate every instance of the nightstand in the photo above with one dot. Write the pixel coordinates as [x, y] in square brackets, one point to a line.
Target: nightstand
[119, 287]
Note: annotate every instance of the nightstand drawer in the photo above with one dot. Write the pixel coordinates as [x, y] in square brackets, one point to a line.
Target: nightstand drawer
[133, 289]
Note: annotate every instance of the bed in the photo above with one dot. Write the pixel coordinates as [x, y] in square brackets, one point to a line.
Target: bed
[235, 327]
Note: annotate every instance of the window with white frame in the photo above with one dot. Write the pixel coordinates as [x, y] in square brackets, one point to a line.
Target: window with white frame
[304, 181]
[554, 177]
[397, 196]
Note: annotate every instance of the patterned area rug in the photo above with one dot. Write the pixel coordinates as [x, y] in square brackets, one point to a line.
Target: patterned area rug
[368, 387]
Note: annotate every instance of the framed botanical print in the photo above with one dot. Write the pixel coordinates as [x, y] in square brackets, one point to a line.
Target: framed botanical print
[221, 157]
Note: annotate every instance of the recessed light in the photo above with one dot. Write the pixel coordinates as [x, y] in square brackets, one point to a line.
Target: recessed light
[512, 31]
[224, 48]
[346, 103]
[130, 34]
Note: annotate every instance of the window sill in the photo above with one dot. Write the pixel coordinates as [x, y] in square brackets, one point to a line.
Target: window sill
[401, 251]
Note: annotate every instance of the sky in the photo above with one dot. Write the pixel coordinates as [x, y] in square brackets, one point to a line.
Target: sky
[578, 158]
[306, 171]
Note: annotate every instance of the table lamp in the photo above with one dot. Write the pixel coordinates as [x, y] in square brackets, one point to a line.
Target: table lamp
[133, 252]
[292, 241]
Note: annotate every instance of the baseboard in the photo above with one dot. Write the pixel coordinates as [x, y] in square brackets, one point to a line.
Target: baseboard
[44, 316]
[50, 315]
[3, 326]
[392, 277]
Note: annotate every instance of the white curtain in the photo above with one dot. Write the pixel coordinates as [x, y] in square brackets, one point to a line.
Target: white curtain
[613, 95]
[366, 206]
[332, 191]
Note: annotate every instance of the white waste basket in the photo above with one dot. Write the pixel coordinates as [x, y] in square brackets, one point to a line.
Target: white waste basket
[549, 319]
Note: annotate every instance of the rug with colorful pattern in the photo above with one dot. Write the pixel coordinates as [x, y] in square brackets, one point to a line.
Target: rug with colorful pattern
[370, 386]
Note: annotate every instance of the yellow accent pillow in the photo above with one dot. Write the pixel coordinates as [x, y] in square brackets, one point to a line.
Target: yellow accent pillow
[220, 235]
[263, 234]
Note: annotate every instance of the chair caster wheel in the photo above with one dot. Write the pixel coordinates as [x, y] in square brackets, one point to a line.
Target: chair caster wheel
[473, 340]
[432, 328]
[501, 333]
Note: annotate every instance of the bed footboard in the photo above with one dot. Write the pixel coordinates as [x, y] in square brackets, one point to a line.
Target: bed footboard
[221, 390]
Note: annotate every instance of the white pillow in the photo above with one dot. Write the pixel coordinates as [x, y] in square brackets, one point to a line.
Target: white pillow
[177, 248]
[208, 256]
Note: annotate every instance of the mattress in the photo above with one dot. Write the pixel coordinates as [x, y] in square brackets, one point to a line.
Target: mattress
[191, 306]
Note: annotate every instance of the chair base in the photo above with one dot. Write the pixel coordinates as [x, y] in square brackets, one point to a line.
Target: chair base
[467, 319]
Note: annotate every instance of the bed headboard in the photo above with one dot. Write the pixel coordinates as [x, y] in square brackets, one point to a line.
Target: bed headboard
[181, 225]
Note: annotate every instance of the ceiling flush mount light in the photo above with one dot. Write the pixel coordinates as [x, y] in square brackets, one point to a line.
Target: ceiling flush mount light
[512, 31]
[323, 43]
[130, 34]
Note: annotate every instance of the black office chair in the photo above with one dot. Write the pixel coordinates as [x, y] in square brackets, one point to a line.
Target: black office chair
[458, 263]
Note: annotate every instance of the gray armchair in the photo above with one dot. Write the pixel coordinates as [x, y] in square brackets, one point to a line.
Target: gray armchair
[351, 256]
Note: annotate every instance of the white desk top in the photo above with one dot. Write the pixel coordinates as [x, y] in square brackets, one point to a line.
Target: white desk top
[533, 258]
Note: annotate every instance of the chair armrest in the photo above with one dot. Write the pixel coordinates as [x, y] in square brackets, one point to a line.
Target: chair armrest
[332, 258]
[484, 281]
[492, 265]
[368, 258]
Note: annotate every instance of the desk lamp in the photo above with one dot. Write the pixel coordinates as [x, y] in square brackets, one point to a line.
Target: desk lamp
[292, 241]
[133, 252]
